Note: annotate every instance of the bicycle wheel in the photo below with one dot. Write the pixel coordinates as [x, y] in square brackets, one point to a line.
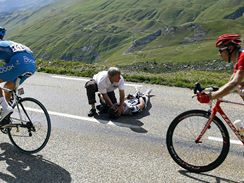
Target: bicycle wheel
[197, 157]
[34, 134]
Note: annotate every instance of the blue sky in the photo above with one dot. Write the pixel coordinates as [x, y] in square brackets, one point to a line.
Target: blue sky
[12, 5]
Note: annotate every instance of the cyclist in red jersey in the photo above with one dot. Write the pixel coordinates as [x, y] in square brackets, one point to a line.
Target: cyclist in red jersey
[230, 50]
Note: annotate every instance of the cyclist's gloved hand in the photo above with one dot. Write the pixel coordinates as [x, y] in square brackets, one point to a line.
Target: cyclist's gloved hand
[203, 98]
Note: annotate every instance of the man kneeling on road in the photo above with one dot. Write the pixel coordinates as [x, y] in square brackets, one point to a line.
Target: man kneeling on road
[106, 82]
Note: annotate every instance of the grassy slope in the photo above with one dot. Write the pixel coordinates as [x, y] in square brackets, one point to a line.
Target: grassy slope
[77, 29]
[104, 29]
[179, 78]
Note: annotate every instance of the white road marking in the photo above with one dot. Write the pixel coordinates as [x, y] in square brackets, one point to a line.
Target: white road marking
[83, 79]
[70, 78]
[84, 118]
[221, 140]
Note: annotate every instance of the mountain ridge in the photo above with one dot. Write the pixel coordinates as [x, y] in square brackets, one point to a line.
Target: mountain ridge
[102, 31]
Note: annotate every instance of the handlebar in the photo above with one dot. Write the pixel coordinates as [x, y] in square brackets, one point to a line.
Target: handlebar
[198, 88]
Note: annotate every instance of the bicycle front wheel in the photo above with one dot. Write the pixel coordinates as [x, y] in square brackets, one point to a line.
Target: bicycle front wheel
[32, 126]
[197, 157]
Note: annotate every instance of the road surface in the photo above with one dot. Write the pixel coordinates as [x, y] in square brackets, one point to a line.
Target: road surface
[129, 149]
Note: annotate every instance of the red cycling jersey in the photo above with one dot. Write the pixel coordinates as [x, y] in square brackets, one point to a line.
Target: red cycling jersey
[240, 63]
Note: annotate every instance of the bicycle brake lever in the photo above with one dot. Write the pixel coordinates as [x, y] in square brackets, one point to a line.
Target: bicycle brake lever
[198, 88]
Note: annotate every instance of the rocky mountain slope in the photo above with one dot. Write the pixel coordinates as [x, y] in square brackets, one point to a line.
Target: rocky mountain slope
[125, 32]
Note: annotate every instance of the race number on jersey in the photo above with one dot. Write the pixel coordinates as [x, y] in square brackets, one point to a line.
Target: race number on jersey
[17, 47]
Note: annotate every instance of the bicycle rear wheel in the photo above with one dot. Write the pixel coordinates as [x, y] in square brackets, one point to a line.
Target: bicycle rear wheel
[197, 157]
[34, 133]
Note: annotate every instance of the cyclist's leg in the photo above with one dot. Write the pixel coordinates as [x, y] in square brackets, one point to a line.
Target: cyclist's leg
[1, 92]
[138, 107]
[10, 85]
[141, 104]
[6, 109]
[6, 74]
[145, 97]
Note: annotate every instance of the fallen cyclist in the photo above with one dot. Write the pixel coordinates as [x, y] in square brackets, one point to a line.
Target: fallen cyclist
[133, 104]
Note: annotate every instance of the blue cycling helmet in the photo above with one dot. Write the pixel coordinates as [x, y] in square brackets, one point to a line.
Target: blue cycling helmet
[2, 32]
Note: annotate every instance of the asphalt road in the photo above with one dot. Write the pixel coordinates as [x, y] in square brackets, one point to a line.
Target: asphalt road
[129, 149]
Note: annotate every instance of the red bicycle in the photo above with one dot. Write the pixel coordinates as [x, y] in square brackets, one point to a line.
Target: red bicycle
[198, 140]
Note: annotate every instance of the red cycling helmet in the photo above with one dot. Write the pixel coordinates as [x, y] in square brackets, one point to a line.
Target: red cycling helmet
[228, 40]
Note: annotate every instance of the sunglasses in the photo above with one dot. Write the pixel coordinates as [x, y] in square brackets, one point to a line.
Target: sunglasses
[222, 49]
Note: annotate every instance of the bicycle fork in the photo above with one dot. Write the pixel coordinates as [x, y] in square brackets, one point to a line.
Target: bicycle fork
[207, 126]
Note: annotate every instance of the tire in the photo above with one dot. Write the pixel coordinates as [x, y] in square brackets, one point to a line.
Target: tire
[192, 156]
[36, 113]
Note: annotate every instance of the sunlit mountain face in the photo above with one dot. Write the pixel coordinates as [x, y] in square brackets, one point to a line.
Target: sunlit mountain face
[13, 5]
[122, 31]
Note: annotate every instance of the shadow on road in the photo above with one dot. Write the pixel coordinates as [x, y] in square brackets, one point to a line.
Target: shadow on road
[191, 175]
[133, 122]
[30, 168]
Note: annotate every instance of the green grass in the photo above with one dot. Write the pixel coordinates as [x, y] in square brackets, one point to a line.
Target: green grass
[175, 78]
[184, 79]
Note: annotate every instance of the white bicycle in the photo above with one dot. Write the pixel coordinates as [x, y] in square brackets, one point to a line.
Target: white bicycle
[29, 127]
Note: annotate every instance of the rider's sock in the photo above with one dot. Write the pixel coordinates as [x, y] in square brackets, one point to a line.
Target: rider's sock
[6, 109]
[4, 104]
[146, 101]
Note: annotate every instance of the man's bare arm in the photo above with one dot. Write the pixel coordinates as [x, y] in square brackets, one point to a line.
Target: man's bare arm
[121, 97]
[107, 99]
[231, 85]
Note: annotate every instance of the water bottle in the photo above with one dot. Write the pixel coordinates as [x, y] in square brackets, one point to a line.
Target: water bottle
[240, 126]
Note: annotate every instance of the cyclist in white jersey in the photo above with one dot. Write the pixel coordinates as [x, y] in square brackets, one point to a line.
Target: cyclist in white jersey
[18, 59]
[133, 104]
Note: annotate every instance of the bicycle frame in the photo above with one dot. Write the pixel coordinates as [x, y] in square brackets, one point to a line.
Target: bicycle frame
[16, 97]
[217, 109]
